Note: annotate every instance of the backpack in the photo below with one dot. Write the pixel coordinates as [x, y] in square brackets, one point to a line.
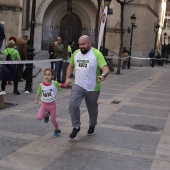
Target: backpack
[9, 58]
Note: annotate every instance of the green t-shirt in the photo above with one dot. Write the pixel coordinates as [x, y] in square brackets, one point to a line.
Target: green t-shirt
[87, 68]
[14, 53]
[69, 51]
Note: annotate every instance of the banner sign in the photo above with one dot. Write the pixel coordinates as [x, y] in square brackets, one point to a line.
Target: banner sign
[102, 25]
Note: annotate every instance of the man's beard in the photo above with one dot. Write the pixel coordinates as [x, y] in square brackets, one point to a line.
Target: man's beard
[84, 51]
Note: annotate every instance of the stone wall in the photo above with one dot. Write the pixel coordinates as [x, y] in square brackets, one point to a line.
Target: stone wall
[11, 14]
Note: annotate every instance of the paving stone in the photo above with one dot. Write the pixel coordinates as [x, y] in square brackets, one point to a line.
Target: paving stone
[153, 102]
[129, 121]
[81, 159]
[105, 96]
[158, 91]
[25, 161]
[27, 143]
[124, 139]
[3, 168]
[144, 111]
[115, 86]
[19, 124]
[156, 96]
[113, 91]
[159, 86]
[9, 145]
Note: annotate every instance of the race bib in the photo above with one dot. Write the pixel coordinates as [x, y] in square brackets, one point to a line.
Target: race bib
[82, 65]
[47, 96]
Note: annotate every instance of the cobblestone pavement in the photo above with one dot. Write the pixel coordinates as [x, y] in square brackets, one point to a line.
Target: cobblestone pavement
[133, 131]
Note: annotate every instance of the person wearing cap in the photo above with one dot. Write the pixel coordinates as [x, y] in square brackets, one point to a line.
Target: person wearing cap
[2, 34]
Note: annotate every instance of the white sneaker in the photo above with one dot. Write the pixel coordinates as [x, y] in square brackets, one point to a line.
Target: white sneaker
[27, 91]
[2, 92]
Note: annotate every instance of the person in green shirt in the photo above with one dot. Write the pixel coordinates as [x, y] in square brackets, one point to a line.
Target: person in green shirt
[15, 56]
[87, 62]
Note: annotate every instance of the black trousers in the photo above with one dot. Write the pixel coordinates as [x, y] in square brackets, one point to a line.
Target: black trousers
[20, 69]
[52, 65]
[29, 82]
[3, 84]
[152, 62]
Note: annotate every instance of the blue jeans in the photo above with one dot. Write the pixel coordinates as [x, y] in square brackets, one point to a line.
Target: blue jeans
[57, 71]
[124, 65]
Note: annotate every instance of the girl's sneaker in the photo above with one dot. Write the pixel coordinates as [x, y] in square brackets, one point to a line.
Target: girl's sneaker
[46, 119]
[56, 133]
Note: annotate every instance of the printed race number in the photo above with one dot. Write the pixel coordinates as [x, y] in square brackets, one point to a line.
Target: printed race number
[82, 64]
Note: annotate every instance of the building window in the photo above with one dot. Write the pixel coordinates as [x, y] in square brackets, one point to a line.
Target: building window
[25, 14]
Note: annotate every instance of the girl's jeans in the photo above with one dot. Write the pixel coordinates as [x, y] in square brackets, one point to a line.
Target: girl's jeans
[51, 107]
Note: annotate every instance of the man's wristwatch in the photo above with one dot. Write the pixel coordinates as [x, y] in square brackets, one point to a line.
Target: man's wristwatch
[103, 75]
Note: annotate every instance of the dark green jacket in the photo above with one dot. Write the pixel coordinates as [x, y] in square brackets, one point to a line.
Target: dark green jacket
[58, 50]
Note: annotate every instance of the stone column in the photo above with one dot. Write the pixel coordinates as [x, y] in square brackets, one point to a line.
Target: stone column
[38, 37]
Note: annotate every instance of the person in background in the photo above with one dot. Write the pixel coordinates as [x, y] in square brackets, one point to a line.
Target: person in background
[125, 58]
[51, 52]
[70, 43]
[15, 40]
[158, 58]
[2, 34]
[87, 62]
[70, 52]
[28, 72]
[58, 54]
[73, 47]
[15, 56]
[22, 49]
[16, 48]
[151, 56]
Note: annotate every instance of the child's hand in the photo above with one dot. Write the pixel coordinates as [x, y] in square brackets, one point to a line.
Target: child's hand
[36, 102]
[67, 86]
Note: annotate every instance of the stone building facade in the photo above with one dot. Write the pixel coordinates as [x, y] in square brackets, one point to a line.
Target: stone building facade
[51, 21]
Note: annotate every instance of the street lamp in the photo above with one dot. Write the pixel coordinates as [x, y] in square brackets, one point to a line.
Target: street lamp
[156, 30]
[133, 20]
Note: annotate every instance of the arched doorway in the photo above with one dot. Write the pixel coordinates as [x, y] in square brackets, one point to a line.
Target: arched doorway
[76, 29]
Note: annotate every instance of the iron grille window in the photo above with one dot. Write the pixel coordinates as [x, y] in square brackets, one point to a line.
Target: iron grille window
[25, 14]
[167, 24]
